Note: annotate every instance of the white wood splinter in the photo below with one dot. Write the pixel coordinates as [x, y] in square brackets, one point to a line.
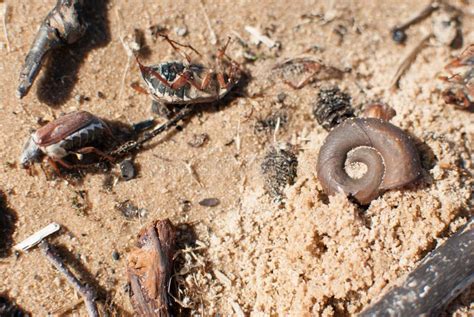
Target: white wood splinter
[37, 237]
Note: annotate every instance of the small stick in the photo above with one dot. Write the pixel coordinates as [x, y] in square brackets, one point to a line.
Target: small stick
[398, 32]
[407, 62]
[259, 37]
[133, 145]
[62, 26]
[36, 238]
[86, 291]
[212, 34]
[440, 278]
[149, 269]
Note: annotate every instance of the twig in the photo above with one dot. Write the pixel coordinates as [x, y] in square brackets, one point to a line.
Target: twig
[4, 21]
[86, 291]
[398, 32]
[406, 62]
[149, 269]
[192, 171]
[212, 34]
[440, 278]
[259, 37]
[62, 26]
[36, 238]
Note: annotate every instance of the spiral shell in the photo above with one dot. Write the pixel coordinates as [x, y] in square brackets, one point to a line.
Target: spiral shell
[388, 153]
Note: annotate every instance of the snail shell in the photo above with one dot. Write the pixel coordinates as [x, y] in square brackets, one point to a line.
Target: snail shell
[388, 153]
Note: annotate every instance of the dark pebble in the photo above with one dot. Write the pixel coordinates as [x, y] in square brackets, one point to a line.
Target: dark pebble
[209, 202]
[399, 36]
[115, 255]
[127, 170]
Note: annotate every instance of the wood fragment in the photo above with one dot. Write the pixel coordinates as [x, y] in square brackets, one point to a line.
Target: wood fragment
[406, 62]
[259, 37]
[149, 269]
[63, 25]
[36, 237]
[85, 290]
[439, 278]
[237, 309]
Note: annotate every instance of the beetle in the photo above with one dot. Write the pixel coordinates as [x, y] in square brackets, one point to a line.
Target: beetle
[188, 82]
[460, 91]
[74, 133]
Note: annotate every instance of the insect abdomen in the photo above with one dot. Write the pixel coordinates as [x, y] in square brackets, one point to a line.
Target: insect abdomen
[85, 136]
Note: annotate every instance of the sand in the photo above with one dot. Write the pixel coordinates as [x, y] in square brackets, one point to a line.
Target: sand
[311, 255]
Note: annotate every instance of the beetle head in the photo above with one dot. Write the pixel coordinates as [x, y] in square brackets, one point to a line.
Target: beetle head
[31, 153]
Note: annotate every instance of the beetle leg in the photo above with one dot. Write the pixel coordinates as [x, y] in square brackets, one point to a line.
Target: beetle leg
[91, 149]
[53, 164]
[184, 79]
[175, 45]
[150, 71]
[139, 89]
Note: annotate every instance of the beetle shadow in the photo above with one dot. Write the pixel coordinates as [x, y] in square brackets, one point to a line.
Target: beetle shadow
[62, 66]
[85, 276]
[8, 219]
[8, 307]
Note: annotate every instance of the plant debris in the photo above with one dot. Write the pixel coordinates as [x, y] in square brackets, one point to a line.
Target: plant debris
[198, 140]
[279, 169]
[300, 71]
[131, 211]
[332, 107]
[8, 219]
[269, 123]
[149, 269]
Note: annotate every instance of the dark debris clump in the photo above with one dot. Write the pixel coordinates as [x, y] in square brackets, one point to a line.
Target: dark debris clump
[279, 170]
[8, 219]
[269, 123]
[130, 211]
[9, 308]
[332, 107]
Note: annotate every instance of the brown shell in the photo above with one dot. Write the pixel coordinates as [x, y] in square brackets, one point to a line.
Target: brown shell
[63, 126]
[388, 152]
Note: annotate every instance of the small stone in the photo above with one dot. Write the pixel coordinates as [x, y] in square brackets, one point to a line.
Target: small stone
[181, 30]
[115, 256]
[281, 97]
[101, 95]
[399, 36]
[130, 211]
[127, 170]
[185, 205]
[198, 140]
[209, 202]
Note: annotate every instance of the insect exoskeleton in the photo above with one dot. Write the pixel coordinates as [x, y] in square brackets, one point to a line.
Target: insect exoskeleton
[364, 157]
[189, 82]
[74, 133]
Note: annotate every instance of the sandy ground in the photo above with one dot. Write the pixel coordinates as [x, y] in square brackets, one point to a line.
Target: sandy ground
[308, 257]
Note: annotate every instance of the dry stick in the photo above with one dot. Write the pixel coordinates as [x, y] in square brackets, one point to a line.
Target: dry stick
[62, 26]
[440, 277]
[86, 291]
[212, 34]
[407, 62]
[133, 145]
[417, 18]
